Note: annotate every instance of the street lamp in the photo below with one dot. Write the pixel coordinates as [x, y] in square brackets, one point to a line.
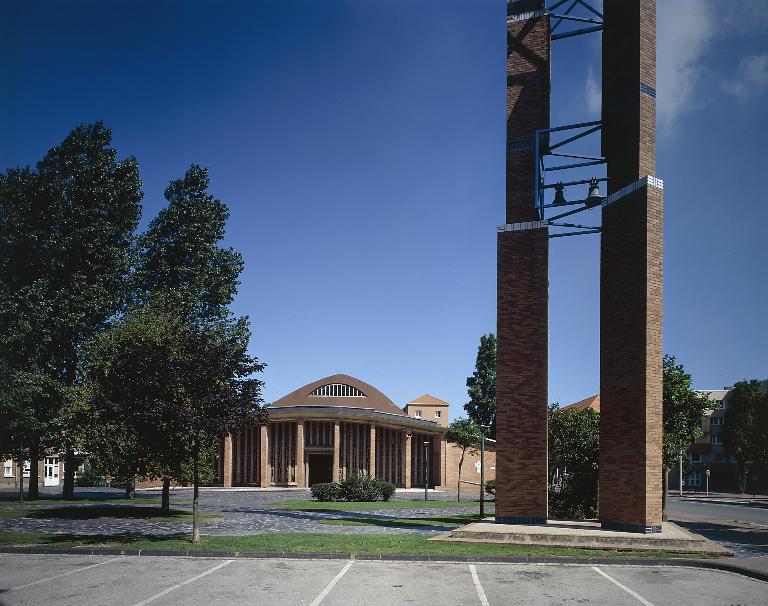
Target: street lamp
[426, 470]
[483, 429]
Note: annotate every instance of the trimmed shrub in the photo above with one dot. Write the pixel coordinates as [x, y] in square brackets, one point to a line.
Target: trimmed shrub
[330, 491]
[386, 490]
[360, 488]
[490, 487]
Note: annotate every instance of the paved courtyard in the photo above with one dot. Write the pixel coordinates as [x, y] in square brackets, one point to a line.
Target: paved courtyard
[136, 581]
[243, 513]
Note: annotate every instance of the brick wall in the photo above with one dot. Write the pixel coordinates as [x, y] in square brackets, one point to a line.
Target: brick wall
[469, 471]
[631, 277]
[522, 282]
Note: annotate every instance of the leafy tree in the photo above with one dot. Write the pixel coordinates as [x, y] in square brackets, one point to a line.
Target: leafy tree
[466, 434]
[744, 426]
[183, 267]
[68, 233]
[574, 449]
[683, 411]
[481, 386]
[162, 376]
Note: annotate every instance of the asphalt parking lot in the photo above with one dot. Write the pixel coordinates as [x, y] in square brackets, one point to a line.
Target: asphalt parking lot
[135, 581]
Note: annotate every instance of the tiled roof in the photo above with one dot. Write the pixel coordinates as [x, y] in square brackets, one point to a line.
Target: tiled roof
[592, 402]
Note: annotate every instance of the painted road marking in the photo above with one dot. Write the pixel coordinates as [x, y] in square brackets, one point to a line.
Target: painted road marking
[478, 586]
[175, 587]
[332, 584]
[624, 587]
[63, 574]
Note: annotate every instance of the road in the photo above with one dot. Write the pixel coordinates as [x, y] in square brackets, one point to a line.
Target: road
[137, 581]
[737, 524]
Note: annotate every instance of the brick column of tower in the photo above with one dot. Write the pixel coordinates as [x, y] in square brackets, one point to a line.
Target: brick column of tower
[407, 461]
[300, 453]
[631, 275]
[522, 281]
[227, 463]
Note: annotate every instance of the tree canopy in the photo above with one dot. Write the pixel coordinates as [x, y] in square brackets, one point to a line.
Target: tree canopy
[745, 427]
[481, 386]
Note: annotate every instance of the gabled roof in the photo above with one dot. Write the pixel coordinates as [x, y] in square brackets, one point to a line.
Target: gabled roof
[592, 402]
[428, 400]
[342, 391]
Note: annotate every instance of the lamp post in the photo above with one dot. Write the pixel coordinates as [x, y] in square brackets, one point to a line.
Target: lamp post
[483, 429]
[426, 470]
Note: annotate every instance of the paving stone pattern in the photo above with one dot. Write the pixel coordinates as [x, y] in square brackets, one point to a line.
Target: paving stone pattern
[244, 513]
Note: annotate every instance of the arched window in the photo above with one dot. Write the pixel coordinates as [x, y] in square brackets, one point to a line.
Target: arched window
[338, 390]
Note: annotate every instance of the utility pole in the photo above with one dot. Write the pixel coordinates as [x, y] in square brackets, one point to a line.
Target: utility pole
[426, 470]
[483, 429]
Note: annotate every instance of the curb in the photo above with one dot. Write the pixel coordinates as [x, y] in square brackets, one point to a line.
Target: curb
[202, 553]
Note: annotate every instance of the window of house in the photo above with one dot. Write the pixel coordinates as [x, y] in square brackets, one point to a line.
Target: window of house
[716, 420]
[8, 469]
[417, 414]
[715, 439]
[437, 414]
[696, 457]
[694, 478]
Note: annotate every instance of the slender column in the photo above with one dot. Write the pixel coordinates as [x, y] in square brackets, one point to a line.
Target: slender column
[522, 283]
[407, 458]
[372, 452]
[228, 470]
[336, 440]
[631, 276]
[264, 476]
[300, 481]
[437, 460]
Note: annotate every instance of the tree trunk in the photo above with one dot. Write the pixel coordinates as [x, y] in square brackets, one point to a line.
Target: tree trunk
[20, 473]
[458, 481]
[196, 494]
[130, 487]
[166, 501]
[665, 493]
[743, 481]
[33, 492]
[69, 473]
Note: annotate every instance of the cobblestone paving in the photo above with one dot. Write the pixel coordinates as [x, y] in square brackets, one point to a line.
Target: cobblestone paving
[246, 512]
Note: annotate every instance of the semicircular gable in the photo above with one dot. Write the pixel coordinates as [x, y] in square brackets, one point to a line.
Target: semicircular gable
[340, 390]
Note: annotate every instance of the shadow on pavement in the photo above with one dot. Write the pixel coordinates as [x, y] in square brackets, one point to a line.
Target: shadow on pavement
[744, 540]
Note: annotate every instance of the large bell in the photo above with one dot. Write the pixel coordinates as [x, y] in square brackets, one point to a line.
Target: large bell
[594, 197]
[559, 194]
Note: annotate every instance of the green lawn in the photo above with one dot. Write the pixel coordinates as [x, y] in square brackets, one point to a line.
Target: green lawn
[299, 542]
[106, 511]
[372, 505]
[455, 520]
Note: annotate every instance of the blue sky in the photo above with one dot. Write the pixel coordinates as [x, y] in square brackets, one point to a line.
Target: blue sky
[360, 148]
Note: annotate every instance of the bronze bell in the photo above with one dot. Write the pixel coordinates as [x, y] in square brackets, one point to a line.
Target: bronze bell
[594, 197]
[559, 194]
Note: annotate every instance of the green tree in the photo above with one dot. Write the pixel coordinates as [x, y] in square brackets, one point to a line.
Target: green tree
[481, 386]
[66, 255]
[744, 426]
[162, 376]
[574, 449]
[183, 268]
[465, 434]
[683, 411]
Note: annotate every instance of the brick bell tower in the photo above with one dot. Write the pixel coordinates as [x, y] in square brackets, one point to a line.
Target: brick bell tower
[631, 274]
[522, 278]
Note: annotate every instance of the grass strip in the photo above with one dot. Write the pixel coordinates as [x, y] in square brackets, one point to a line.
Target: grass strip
[301, 542]
[371, 505]
[156, 514]
[442, 521]
[12, 501]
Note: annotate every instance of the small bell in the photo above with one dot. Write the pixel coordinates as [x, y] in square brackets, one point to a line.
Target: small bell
[594, 197]
[559, 194]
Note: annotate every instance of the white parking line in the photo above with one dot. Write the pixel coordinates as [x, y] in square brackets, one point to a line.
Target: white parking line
[63, 574]
[332, 584]
[624, 587]
[175, 587]
[478, 586]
